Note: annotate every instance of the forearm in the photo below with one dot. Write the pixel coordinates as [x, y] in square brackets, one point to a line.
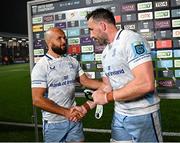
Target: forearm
[50, 106]
[131, 91]
[92, 84]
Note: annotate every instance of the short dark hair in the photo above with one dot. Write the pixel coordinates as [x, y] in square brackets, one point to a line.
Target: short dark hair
[102, 14]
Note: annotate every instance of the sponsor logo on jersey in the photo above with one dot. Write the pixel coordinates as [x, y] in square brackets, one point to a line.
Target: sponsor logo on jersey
[117, 72]
[139, 47]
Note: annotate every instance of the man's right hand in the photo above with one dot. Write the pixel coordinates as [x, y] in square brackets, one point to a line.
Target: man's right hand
[73, 114]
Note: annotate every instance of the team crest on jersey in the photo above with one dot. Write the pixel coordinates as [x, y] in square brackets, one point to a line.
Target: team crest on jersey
[139, 47]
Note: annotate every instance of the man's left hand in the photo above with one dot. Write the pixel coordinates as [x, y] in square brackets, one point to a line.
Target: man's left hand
[100, 97]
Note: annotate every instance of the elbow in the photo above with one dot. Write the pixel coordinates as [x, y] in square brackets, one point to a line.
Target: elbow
[150, 87]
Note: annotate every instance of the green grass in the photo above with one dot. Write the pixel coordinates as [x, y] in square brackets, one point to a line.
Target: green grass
[16, 106]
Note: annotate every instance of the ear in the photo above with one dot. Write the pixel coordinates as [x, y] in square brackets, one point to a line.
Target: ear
[103, 26]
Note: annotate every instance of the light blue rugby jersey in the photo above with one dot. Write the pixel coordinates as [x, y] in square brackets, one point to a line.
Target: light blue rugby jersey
[127, 51]
[58, 75]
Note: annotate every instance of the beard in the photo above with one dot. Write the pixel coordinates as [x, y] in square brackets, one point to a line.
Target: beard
[59, 50]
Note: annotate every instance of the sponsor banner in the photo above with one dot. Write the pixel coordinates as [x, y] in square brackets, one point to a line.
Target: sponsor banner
[162, 24]
[73, 23]
[176, 32]
[164, 54]
[177, 63]
[145, 25]
[84, 31]
[131, 26]
[165, 83]
[176, 22]
[83, 23]
[73, 41]
[47, 26]
[177, 73]
[61, 25]
[164, 44]
[72, 15]
[37, 28]
[175, 3]
[83, 14]
[165, 73]
[74, 49]
[99, 66]
[129, 17]
[98, 57]
[39, 35]
[151, 44]
[39, 44]
[162, 14]
[48, 18]
[38, 52]
[177, 53]
[145, 16]
[165, 64]
[153, 54]
[73, 32]
[176, 43]
[148, 35]
[60, 16]
[163, 34]
[129, 7]
[89, 66]
[86, 40]
[37, 20]
[90, 75]
[87, 49]
[161, 4]
[98, 49]
[117, 18]
[87, 57]
[175, 13]
[144, 6]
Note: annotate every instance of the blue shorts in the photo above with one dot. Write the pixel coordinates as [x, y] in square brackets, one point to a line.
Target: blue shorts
[66, 131]
[144, 128]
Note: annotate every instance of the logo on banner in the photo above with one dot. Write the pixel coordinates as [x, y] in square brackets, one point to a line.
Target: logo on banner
[144, 6]
[145, 16]
[128, 8]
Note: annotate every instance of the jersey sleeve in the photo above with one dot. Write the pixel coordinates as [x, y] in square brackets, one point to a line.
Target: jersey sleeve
[138, 51]
[38, 76]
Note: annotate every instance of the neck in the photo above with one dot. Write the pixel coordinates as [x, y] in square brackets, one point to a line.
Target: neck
[50, 52]
[112, 31]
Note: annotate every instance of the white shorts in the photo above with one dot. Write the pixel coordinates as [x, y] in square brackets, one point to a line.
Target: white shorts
[144, 128]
